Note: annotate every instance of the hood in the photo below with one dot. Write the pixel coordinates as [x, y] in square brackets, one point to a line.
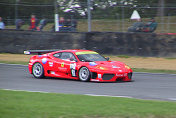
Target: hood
[108, 65]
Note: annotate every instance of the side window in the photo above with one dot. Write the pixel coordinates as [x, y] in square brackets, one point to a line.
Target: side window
[68, 56]
[57, 55]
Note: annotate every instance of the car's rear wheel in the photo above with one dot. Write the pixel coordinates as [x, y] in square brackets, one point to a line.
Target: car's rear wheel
[84, 74]
[38, 70]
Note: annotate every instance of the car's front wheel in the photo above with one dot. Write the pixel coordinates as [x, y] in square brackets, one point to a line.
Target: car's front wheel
[84, 74]
[38, 70]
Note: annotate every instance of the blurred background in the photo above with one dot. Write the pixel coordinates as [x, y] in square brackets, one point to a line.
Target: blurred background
[105, 15]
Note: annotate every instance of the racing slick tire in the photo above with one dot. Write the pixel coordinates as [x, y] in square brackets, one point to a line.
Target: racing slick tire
[84, 74]
[38, 70]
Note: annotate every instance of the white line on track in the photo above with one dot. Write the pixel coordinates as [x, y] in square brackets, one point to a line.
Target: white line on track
[83, 94]
[109, 96]
[26, 91]
[170, 99]
[173, 99]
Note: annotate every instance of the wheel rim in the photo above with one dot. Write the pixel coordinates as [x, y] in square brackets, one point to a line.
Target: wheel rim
[84, 74]
[37, 70]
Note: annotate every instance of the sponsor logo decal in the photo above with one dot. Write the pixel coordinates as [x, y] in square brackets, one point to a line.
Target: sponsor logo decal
[120, 70]
[44, 60]
[92, 64]
[86, 52]
[52, 72]
[51, 64]
[119, 75]
[99, 75]
[39, 55]
[115, 67]
[62, 64]
[95, 80]
[62, 69]
[101, 68]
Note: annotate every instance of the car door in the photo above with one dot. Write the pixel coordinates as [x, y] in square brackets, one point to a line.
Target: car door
[69, 62]
[65, 64]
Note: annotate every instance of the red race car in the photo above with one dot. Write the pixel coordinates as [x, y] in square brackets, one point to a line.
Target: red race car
[84, 65]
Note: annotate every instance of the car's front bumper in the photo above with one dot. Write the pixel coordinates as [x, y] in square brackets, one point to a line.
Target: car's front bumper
[111, 77]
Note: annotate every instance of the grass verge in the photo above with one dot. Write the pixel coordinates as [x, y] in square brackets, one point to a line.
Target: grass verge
[14, 62]
[18, 104]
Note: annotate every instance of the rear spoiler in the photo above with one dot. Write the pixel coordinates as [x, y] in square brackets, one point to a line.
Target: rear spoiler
[39, 52]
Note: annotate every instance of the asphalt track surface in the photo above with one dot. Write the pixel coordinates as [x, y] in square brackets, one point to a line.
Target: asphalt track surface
[144, 86]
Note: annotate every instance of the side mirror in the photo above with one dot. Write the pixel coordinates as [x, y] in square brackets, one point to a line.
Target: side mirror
[107, 58]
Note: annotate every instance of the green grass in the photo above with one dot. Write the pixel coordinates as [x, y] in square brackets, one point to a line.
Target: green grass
[123, 56]
[18, 104]
[15, 62]
[170, 58]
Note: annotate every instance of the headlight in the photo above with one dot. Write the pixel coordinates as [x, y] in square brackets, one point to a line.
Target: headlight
[127, 67]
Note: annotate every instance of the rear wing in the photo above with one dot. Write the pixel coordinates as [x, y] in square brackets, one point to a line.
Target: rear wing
[39, 52]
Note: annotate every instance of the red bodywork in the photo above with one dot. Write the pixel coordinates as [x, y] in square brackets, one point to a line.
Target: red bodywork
[101, 71]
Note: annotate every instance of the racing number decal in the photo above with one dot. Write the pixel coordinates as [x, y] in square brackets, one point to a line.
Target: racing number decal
[73, 69]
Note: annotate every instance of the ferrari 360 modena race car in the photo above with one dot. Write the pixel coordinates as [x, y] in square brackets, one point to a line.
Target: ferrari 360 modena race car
[84, 65]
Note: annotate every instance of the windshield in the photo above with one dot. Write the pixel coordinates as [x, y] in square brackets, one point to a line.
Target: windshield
[91, 57]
